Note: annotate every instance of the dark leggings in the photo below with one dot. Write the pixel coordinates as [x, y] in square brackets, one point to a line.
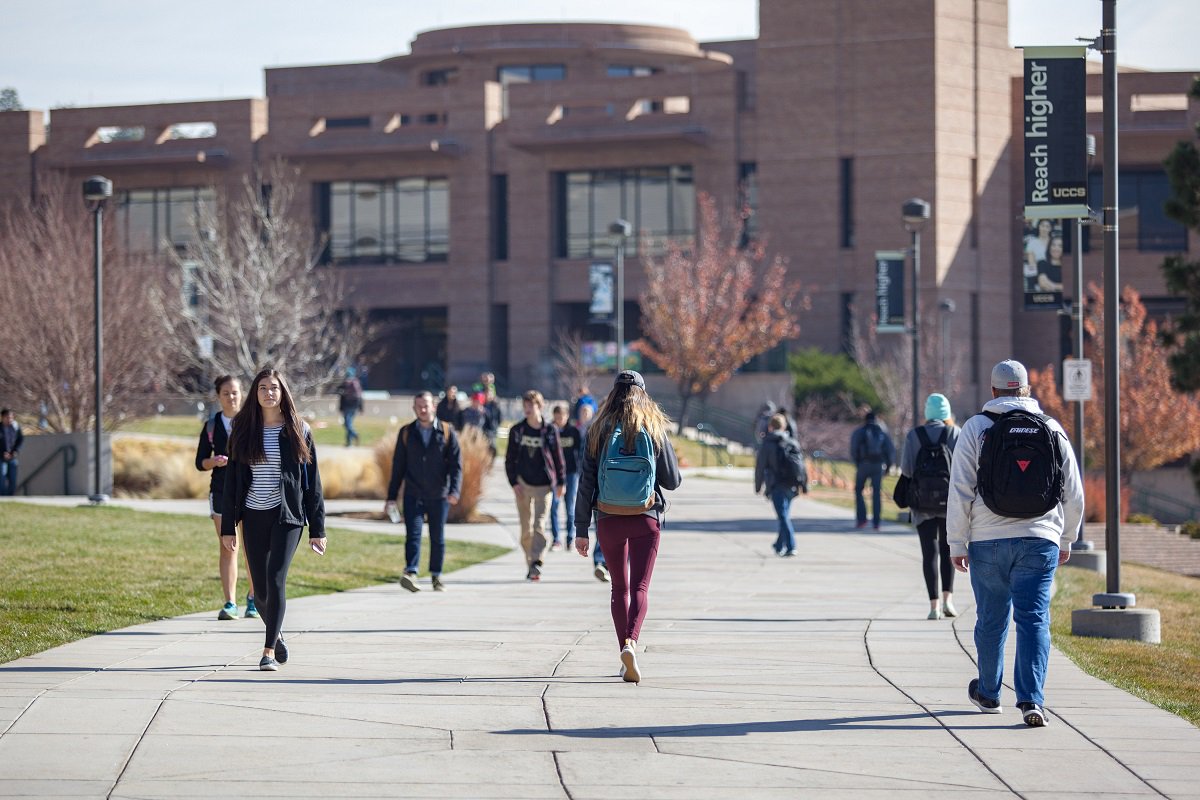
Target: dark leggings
[932, 533]
[630, 546]
[270, 546]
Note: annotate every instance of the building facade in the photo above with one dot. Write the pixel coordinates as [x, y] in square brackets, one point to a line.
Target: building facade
[465, 188]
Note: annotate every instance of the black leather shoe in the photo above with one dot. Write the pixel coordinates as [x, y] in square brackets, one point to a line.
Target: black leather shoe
[281, 651]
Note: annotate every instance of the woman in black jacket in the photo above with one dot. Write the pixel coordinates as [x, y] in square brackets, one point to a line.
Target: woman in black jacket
[628, 534]
[212, 454]
[273, 487]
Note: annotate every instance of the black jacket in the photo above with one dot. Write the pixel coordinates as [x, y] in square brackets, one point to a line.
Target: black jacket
[215, 445]
[666, 476]
[571, 441]
[429, 473]
[536, 469]
[18, 439]
[301, 485]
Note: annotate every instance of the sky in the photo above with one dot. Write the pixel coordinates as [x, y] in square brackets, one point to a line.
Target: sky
[70, 52]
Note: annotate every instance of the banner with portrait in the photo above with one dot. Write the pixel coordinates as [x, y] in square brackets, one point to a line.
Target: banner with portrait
[1042, 264]
[602, 306]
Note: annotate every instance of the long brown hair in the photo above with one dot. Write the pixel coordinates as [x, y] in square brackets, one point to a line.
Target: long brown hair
[246, 439]
[629, 406]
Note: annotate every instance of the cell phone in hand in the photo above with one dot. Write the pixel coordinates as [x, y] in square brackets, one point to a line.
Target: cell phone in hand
[394, 514]
[315, 547]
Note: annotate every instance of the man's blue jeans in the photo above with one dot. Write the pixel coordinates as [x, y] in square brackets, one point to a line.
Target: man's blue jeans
[781, 498]
[570, 491]
[348, 421]
[1013, 576]
[872, 471]
[8, 478]
[414, 510]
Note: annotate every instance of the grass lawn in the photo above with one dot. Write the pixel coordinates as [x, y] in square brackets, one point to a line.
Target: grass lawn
[69, 573]
[1166, 674]
[326, 430]
[845, 497]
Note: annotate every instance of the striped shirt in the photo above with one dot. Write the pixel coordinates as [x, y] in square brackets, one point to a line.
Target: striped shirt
[266, 487]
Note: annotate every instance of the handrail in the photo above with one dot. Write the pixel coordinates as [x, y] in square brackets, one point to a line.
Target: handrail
[720, 449]
[1152, 500]
[70, 456]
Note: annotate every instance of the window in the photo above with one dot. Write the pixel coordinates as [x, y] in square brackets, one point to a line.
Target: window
[974, 231]
[748, 191]
[526, 73]
[500, 217]
[1143, 222]
[405, 220]
[631, 71]
[149, 220]
[846, 202]
[660, 203]
[347, 122]
[439, 77]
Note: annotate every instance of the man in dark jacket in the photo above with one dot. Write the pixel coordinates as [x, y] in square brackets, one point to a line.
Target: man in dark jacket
[535, 468]
[771, 478]
[873, 453]
[428, 462]
[11, 439]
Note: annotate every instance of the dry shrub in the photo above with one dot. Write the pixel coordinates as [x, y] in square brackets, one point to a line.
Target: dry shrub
[1095, 497]
[349, 474]
[477, 462]
[157, 468]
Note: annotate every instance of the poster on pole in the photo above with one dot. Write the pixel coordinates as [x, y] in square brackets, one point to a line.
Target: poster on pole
[1055, 128]
[600, 278]
[889, 291]
[1077, 379]
[1042, 264]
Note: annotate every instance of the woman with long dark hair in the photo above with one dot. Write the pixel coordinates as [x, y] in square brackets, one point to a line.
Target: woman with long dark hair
[273, 488]
[630, 429]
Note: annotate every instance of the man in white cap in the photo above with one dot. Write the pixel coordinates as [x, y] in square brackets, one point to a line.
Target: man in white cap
[1016, 501]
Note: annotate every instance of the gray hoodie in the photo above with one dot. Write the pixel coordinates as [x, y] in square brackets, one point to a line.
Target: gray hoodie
[969, 520]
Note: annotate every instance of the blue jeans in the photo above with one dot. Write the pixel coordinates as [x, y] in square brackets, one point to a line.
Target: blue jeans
[568, 499]
[781, 498]
[348, 421]
[873, 472]
[1013, 576]
[415, 509]
[8, 478]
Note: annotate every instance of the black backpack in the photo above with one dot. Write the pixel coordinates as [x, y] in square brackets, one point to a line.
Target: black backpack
[929, 488]
[1020, 468]
[873, 443]
[789, 460]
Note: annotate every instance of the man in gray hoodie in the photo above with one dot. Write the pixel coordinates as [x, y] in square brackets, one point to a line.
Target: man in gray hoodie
[1012, 559]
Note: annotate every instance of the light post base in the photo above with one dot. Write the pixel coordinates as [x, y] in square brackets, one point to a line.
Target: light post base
[1134, 624]
[98, 499]
[1081, 544]
[1114, 600]
[1094, 560]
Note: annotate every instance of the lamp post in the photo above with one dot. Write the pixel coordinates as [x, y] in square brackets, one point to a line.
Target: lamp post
[915, 213]
[1080, 543]
[620, 229]
[96, 191]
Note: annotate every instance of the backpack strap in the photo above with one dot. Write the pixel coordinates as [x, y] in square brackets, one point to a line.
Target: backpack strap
[209, 427]
[923, 435]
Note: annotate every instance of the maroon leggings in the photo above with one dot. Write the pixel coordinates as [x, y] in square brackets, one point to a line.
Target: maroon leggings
[630, 546]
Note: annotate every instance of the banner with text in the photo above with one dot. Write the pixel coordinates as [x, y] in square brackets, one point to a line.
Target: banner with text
[1055, 112]
[889, 291]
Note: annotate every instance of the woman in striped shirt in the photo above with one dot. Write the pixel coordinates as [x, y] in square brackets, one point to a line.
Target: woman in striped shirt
[273, 488]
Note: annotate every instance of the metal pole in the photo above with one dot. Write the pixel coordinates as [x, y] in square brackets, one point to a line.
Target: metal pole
[98, 268]
[1112, 308]
[620, 302]
[916, 329]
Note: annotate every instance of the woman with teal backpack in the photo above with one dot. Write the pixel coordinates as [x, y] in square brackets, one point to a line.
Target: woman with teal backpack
[627, 464]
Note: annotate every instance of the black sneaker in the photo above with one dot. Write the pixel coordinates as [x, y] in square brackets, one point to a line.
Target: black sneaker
[1033, 714]
[268, 664]
[982, 703]
[281, 651]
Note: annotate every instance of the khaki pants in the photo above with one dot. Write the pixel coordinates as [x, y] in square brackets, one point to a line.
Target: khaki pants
[533, 503]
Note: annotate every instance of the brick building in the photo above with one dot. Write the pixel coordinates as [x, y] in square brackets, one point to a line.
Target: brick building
[466, 187]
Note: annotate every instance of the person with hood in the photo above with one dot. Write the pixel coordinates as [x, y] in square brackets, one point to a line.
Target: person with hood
[773, 478]
[1011, 462]
[931, 446]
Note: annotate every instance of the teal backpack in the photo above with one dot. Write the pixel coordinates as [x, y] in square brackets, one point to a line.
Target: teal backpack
[626, 477]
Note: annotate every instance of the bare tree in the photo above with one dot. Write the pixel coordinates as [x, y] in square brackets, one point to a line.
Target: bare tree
[46, 287]
[260, 296]
[711, 306]
[572, 372]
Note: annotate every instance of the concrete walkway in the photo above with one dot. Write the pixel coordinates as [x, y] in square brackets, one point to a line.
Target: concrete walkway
[816, 676]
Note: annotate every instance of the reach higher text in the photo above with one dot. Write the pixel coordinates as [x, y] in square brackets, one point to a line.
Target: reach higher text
[1037, 121]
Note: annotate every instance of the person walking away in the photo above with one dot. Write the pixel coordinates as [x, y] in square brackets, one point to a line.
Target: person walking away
[535, 470]
[350, 402]
[585, 400]
[273, 487]
[627, 465]
[779, 473]
[212, 453]
[447, 407]
[873, 454]
[11, 439]
[427, 462]
[571, 442]
[925, 462]
[1016, 501]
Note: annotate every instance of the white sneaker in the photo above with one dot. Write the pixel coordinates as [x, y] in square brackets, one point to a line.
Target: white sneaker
[630, 672]
[948, 609]
[601, 573]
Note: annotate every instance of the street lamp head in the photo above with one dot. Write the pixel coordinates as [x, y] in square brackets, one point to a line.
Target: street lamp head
[97, 189]
[914, 212]
[621, 228]
[947, 305]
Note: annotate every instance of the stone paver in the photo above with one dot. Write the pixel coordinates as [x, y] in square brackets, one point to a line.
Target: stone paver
[764, 678]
